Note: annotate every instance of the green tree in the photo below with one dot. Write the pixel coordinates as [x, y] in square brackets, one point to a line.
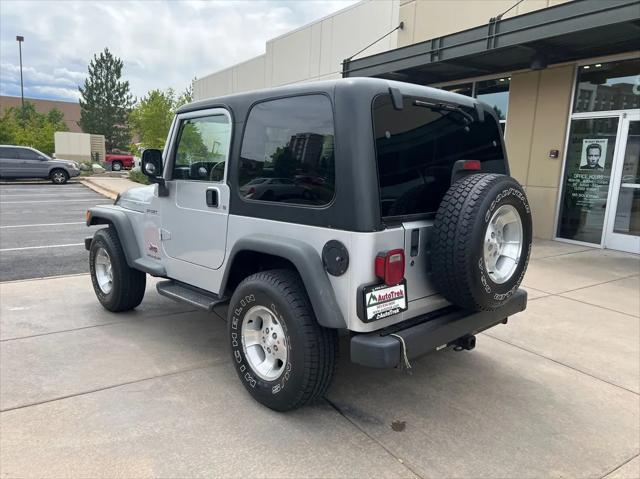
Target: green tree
[106, 101]
[187, 95]
[25, 126]
[151, 117]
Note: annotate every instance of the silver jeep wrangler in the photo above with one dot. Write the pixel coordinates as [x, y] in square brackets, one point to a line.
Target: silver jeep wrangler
[378, 207]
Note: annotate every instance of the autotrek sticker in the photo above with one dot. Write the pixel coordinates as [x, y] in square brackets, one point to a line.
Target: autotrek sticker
[382, 301]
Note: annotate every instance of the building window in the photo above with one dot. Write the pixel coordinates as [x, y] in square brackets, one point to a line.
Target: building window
[287, 152]
[608, 86]
[461, 88]
[494, 92]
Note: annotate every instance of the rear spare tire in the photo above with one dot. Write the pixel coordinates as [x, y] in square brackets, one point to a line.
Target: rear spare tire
[482, 241]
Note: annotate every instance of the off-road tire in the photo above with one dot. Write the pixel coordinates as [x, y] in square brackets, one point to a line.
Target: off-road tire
[312, 352]
[116, 166]
[128, 283]
[58, 176]
[458, 264]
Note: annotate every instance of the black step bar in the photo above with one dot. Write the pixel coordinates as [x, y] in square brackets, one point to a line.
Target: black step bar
[185, 293]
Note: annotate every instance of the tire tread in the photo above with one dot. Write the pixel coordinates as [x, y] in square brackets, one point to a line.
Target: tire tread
[320, 343]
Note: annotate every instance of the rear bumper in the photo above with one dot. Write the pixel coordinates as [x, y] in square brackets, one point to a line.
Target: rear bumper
[423, 334]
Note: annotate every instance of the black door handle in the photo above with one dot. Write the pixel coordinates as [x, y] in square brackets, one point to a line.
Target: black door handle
[212, 197]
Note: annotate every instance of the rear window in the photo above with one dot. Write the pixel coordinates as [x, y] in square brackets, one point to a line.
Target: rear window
[416, 149]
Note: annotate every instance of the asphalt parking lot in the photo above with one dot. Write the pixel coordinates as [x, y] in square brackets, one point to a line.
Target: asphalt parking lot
[42, 229]
[152, 393]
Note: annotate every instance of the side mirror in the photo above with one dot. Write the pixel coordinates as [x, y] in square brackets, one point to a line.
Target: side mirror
[152, 168]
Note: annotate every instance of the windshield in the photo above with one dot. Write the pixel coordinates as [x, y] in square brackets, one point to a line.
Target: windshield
[416, 149]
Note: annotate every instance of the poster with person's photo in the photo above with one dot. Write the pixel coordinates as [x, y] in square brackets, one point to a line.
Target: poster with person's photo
[594, 154]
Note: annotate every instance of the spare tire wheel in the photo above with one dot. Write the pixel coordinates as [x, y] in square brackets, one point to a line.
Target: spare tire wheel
[481, 241]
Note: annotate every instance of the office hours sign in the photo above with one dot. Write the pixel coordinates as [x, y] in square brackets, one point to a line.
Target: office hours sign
[586, 181]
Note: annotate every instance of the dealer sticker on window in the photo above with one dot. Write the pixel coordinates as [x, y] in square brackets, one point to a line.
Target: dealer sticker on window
[382, 301]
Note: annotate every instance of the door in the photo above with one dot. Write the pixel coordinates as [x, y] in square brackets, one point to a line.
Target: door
[623, 222]
[10, 163]
[194, 215]
[33, 164]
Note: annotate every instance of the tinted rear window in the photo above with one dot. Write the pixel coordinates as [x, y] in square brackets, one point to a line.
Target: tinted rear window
[416, 149]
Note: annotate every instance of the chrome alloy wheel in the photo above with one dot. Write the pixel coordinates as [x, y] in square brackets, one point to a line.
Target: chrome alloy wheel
[59, 177]
[104, 270]
[503, 244]
[264, 343]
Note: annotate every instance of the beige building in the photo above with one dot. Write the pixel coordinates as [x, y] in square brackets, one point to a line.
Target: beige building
[70, 109]
[81, 147]
[563, 76]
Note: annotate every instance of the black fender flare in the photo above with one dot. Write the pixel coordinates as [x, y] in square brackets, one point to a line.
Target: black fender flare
[108, 215]
[309, 265]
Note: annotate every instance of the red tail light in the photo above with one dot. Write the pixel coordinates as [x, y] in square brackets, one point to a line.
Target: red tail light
[472, 165]
[390, 266]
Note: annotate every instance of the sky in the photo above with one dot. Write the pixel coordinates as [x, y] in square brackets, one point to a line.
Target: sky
[163, 43]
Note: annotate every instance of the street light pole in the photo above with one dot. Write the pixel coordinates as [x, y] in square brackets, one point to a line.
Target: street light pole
[20, 39]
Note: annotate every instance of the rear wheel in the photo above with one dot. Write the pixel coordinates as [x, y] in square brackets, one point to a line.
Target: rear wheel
[283, 357]
[482, 241]
[116, 166]
[117, 286]
[58, 176]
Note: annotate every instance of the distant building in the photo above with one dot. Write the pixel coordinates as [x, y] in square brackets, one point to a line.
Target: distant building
[70, 109]
[307, 148]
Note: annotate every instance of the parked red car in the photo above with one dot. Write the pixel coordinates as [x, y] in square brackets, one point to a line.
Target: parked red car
[118, 162]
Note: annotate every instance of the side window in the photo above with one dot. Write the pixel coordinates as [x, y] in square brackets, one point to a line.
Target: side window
[202, 149]
[8, 153]
[287, 152]
[27, 154]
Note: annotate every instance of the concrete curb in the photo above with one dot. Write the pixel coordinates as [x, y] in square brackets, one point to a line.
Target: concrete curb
[99, 189]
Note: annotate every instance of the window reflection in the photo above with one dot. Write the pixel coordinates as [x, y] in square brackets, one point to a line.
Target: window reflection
[608, 86]
[202, 149]
[287, 152]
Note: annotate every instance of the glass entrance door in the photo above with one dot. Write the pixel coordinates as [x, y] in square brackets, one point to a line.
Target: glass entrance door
[623, 222]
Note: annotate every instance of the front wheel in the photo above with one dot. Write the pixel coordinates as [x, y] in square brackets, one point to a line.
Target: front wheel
[59, 177]
[283, 357]
[117, 286]
[116, 166]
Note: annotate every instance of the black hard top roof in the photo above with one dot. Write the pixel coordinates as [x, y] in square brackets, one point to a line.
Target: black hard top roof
[362, 87]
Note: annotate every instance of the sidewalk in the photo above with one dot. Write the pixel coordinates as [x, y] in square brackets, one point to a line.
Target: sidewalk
[152, 392]
[109, 187]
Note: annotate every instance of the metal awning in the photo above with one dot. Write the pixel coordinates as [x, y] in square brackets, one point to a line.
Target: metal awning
[570, 31]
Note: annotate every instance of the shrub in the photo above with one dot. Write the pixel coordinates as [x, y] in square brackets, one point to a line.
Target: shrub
[138, 177]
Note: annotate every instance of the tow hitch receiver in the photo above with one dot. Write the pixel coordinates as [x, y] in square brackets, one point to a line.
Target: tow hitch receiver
[467, 343]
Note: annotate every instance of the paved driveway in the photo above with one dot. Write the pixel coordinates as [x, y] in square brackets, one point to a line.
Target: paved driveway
[42, 229]
[555, 393]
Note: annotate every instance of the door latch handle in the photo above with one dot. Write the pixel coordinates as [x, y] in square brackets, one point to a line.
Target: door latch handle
[212, 197]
